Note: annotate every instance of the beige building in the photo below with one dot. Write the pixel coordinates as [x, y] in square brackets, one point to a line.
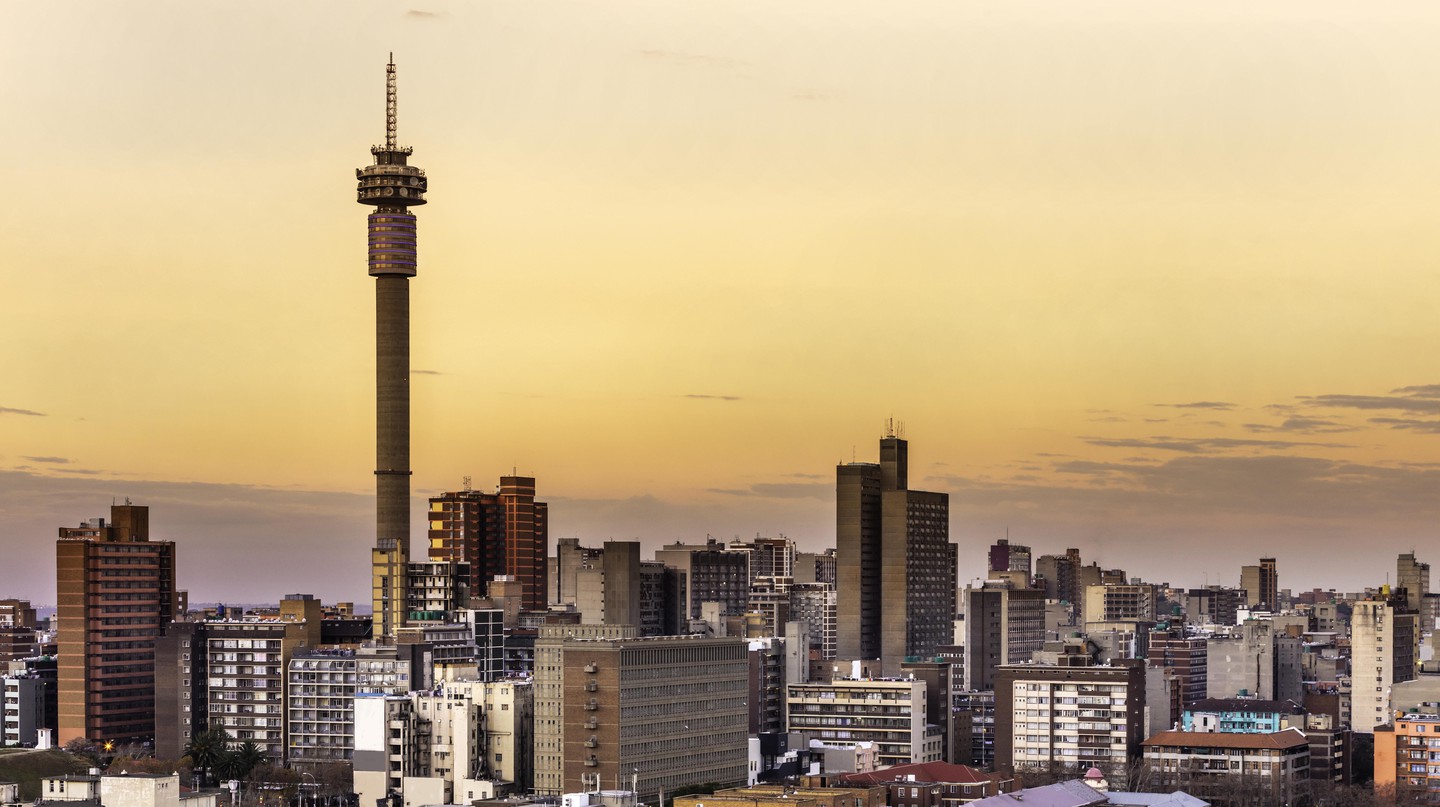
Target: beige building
[1383, 652]
[663, 712]
[889, 712]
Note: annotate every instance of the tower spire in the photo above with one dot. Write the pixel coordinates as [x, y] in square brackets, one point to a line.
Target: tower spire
[390, 136]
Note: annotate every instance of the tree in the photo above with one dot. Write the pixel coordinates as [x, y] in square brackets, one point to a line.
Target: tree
[206, 749]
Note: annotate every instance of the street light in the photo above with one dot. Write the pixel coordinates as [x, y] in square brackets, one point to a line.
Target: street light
[313, 786]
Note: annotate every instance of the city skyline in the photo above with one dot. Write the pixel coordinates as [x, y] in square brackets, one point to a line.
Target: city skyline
[1132, 275]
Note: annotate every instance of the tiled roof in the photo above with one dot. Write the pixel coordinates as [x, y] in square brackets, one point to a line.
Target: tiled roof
[927, 772]
[1281, 740]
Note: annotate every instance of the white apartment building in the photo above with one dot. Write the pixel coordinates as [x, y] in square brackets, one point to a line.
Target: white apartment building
[890, 712]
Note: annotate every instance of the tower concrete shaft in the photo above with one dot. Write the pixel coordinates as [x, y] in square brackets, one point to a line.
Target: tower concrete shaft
[392, 186]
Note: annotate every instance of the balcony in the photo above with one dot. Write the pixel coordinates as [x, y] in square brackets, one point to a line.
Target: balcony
[591, 705]
[592, 667]
[592, 724]
[592, 762]
[593, 742]
[591, 686]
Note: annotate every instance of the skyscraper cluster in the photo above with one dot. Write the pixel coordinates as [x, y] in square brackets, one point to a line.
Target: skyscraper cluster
[494, 667]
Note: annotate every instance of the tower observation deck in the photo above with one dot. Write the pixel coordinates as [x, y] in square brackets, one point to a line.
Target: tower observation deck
[392, 186]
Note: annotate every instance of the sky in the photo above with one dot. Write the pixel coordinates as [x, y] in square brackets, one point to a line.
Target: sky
[1155, 280]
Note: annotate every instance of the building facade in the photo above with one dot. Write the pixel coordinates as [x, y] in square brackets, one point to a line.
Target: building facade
[889, 712]
[116, 595]
[1076, 716]
[505, 533]
[895, 565]
[664, 711]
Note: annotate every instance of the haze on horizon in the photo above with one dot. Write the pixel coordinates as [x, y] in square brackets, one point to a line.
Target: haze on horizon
[1155, 280]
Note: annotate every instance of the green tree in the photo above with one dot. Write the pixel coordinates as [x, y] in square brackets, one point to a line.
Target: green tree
[206, 750]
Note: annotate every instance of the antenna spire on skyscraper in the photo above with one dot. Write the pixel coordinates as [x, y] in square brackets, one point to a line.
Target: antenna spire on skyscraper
[391, 139]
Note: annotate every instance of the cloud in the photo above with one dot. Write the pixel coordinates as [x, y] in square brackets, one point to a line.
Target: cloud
[55, 460]
[426, 372]
[1423, 398]
[1419, 391]
[699, 397]
[1221, 406]
[1107, 419]
[1301, 425]
[417, 14]
[7, 410]
[1202, 445]
[1422, 426]
[782, 490]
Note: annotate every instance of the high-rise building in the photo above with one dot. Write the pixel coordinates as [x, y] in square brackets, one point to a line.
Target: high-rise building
[500, 534]
[895, 565]
[1261, 585]
[1383, 653]
[1008, 557]
[392, 186]
[1003, 625]
[711, 573]
[116, 595]
[1414, 578]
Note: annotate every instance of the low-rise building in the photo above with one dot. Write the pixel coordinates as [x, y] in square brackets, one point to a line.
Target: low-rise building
[1231, 768]
[932, 784]
[1404, 750]
[889, 712]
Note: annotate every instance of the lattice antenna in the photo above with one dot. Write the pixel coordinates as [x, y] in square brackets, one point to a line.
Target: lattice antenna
[390, 137]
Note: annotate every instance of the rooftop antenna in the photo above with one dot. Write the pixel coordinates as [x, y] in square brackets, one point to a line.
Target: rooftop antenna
[390, 136]
[465, 480]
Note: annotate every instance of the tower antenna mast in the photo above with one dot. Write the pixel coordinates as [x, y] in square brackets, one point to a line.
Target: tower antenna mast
[391, 140]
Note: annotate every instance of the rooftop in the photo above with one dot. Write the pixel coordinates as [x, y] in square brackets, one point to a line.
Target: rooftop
[1280, 740]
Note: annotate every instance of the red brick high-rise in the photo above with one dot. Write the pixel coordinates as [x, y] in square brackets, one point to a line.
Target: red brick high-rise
[502, 533]
[116, 594]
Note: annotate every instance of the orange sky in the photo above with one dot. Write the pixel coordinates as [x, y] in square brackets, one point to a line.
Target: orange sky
[680, 259]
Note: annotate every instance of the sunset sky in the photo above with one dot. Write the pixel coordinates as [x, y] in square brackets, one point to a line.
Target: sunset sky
[1157, 280]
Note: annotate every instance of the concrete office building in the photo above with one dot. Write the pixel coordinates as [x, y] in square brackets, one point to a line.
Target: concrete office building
[816, 605]
[116, 596]
[1214, 605]
[609, 704]
[1186, 656]
[392, 186]
[895, 565]
[1129, 602]
[1008, 557]
[1059, 574]
[500, 534]
[1253, 661]
[815, 567]
[1262, 586]
[1414, 578]
[711, 573]
[1003, 625]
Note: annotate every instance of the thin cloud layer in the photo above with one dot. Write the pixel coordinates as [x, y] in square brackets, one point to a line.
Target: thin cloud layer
[10, 410]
